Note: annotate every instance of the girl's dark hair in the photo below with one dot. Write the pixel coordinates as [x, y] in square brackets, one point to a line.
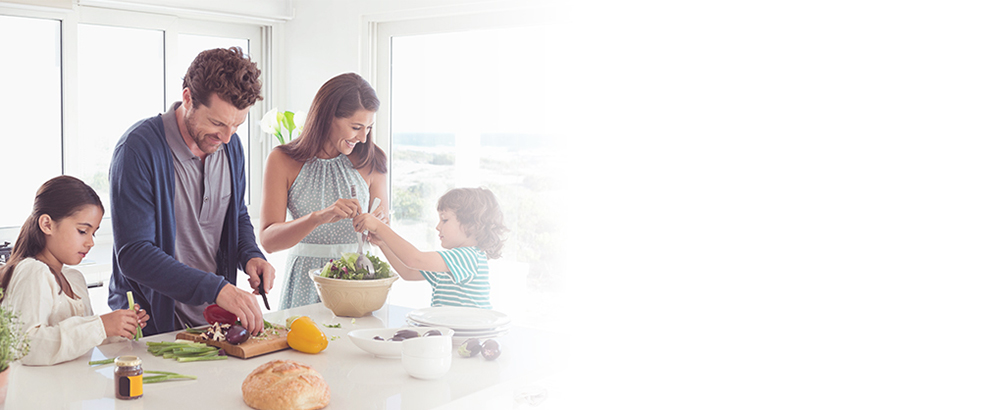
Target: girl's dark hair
[479, 215]
[227, 72]
[58, 198]
[340, 97]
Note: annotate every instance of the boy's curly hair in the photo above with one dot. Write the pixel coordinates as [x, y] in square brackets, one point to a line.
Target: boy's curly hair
[479, 214]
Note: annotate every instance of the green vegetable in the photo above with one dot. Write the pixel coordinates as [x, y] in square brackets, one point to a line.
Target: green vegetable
[289, 321]
[184, 351]
[130, 299]
[101, 362]
[345, 268]
[337, 325]
[162, 376]
[14, 343]
[197, 359]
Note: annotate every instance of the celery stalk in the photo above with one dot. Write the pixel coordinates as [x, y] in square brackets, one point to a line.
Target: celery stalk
[130, 299]
[200, 358]
[100, 362]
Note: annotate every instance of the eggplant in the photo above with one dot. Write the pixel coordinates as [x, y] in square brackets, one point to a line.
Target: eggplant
[237, 334]
[406, 334]
[491, 349]
[470, 348]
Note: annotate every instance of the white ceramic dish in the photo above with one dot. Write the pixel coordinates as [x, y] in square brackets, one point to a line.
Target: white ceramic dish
[470, 332]
[426, 368]
[431, 346]
[363, 339]
[463, 335]
[459, 318]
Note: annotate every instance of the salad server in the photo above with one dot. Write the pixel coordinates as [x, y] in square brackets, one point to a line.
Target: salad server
[361, 260]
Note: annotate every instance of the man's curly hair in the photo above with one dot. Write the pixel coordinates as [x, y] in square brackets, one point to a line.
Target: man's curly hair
[228, 72]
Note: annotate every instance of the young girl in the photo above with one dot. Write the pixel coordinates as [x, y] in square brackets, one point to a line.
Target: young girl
[470, 227]
[51, 298]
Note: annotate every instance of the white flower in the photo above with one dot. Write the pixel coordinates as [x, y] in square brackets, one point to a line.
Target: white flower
[269, 122]
[299, 120]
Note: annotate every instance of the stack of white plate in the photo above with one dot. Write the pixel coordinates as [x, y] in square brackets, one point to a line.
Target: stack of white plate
[466, 322]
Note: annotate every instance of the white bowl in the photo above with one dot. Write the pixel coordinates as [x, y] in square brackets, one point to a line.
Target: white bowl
[363, 339]
[426, 367]
[431, 346]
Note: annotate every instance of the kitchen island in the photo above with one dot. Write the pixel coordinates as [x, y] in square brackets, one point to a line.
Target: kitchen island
[525, 373]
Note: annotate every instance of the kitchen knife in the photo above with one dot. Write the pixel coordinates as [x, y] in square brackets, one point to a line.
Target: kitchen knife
[262, 293]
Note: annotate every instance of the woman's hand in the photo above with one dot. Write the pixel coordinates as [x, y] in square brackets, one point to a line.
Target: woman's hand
[341, 209]
[121, 323]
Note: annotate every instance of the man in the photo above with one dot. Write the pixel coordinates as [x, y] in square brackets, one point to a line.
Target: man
[180, 223]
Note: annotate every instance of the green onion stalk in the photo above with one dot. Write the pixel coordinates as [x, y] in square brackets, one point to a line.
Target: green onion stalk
[130, 299]
[185, 351]
[158, 376]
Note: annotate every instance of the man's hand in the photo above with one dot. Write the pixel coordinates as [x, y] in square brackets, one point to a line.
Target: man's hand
[242, 304]
[257, 268]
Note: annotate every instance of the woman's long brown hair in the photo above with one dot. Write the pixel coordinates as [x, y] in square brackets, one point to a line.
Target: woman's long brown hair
[58, 198]
[340, 97]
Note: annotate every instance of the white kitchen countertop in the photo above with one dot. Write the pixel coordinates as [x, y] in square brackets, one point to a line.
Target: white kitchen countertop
[530, 364]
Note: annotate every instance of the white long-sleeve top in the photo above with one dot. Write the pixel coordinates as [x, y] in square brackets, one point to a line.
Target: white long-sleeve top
[59, 328]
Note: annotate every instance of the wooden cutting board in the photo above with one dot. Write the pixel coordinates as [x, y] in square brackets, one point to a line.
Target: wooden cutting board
[277, 340]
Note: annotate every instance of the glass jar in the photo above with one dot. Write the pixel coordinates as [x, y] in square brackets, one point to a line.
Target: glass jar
[129, 378]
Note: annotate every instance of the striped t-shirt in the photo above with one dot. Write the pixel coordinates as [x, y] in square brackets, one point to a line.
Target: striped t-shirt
[466, 284]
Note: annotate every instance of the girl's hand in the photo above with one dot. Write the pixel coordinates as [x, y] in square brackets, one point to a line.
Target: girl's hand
[121, 323]
[366, 222]
[142, 316]
[341, 209]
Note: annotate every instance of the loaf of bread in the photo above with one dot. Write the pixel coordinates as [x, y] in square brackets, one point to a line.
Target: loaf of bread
[285, 385]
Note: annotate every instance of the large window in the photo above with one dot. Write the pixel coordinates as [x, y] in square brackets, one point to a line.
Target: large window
[77, 81]
[115, 90]
[30, 111]
[467, 109]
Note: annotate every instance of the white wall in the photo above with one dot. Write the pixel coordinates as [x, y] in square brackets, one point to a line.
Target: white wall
[323, 39]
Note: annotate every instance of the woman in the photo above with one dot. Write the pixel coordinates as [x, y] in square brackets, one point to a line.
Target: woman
[312, 177]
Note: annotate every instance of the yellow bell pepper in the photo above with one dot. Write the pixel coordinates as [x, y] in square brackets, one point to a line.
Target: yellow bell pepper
[305, 336]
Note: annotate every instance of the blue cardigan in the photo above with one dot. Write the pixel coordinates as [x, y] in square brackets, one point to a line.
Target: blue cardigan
[142, 184]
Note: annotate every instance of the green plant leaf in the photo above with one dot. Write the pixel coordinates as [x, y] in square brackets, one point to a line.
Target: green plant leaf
[289, 121]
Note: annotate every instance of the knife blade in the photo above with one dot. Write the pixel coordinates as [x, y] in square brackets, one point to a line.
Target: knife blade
[262, 293]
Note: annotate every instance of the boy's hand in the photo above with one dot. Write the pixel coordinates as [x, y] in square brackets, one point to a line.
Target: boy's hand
[374, 239]
[366, 222]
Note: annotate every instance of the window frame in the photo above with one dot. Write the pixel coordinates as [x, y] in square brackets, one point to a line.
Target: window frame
[257, 33]
[376, 41]
[378, 31]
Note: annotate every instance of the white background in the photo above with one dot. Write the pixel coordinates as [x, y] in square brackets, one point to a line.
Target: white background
[774, 204]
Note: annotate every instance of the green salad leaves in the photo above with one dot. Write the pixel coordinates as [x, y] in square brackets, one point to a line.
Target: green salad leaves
[345, 268]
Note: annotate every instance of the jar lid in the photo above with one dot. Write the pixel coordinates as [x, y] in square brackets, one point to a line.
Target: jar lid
[127, 361]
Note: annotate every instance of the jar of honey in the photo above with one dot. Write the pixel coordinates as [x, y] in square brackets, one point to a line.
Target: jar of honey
[129, 378]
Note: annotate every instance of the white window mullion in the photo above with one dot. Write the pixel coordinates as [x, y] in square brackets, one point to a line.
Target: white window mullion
[70, 92]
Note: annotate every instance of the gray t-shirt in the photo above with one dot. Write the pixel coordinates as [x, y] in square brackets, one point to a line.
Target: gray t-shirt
[202, 194]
